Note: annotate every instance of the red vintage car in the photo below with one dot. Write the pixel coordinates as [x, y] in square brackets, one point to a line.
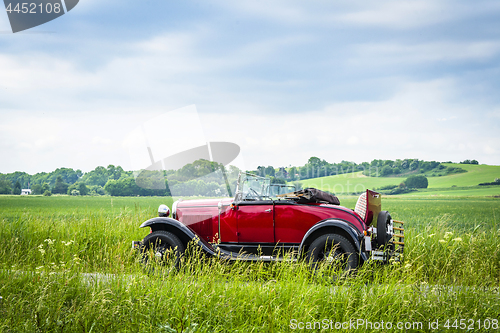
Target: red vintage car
[263, 222]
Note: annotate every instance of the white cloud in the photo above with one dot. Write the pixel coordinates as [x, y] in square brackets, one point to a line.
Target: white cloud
[392, 14]
[404, 126]
[388, 14]
[391, 53]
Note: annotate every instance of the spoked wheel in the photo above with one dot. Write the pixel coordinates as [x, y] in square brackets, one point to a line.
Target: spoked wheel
[335, 252]
[162, 247]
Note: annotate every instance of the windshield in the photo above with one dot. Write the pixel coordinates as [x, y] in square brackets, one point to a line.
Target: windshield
[252, 187]
[277, 189]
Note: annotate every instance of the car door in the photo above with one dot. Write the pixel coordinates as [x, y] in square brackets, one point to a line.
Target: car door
[255, 222]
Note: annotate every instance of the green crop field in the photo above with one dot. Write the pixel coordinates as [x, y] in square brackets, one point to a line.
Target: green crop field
[66, 266]
[468, 181]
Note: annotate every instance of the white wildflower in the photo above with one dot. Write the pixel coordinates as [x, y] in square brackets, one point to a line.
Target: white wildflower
[431, 235]
[448, 234]
[458, 239]
[407, 265]
[50, 241]
[442, 241]
[39, 267]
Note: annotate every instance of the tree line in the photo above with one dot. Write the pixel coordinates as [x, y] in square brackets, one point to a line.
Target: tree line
[316, 167]
[202, 177]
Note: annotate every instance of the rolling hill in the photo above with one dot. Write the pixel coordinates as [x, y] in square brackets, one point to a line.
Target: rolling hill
[455, 184]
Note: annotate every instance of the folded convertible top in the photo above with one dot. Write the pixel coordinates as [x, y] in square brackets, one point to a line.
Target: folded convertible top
[309, 195]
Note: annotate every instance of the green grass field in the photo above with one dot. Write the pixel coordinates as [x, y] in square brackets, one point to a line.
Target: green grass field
[468, 182]
[66, 266]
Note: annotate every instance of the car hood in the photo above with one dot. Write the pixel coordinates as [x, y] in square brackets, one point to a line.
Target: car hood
[203, 202]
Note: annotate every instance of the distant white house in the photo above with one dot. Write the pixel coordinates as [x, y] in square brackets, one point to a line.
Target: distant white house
[26, 191]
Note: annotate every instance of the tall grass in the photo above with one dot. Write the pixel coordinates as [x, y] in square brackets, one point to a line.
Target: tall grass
[67, 270]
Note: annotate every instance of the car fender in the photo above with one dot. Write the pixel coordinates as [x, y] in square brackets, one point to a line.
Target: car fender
[184, 233]
[347, 229]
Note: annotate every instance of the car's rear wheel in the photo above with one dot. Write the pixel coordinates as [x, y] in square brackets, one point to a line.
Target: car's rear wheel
[334, 251]
[384, 234]
[162, 247]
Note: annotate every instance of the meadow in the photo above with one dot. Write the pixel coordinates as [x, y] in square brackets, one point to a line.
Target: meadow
[66, 266]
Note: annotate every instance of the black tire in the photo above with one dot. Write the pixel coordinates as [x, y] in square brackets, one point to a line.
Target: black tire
[383, 222]
[164, 247]
[333, 248]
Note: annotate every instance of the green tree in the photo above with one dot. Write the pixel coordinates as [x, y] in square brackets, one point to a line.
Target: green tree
[98, 176]
[261, 170]
[83, 189]
[270, 171]
[314, 161]
[36, 189]
[114, 172]
[68, 175]
[277, 180]
[419, 181]
[60, 187]
[17, 188]
[45, 188]
[5, 186]
[96, 190]
[414, 165]
[386, 170]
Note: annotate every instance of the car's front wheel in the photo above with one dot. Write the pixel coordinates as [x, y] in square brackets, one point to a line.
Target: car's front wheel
[162, 247]
[333, 250]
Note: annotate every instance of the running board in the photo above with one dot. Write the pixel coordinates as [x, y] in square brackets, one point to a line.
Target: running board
[228, 255]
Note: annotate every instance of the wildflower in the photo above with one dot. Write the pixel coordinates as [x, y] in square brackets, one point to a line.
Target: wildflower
[50, 241]
[68, 243]
[458, 239]
[431, 235]
[448, 234]
[39, 267]
[442, 241]
[407, 265]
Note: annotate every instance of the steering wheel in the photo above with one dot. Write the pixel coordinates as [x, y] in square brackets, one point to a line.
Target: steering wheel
[254, 194]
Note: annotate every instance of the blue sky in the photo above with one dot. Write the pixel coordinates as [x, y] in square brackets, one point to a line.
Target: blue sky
[284, 79]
